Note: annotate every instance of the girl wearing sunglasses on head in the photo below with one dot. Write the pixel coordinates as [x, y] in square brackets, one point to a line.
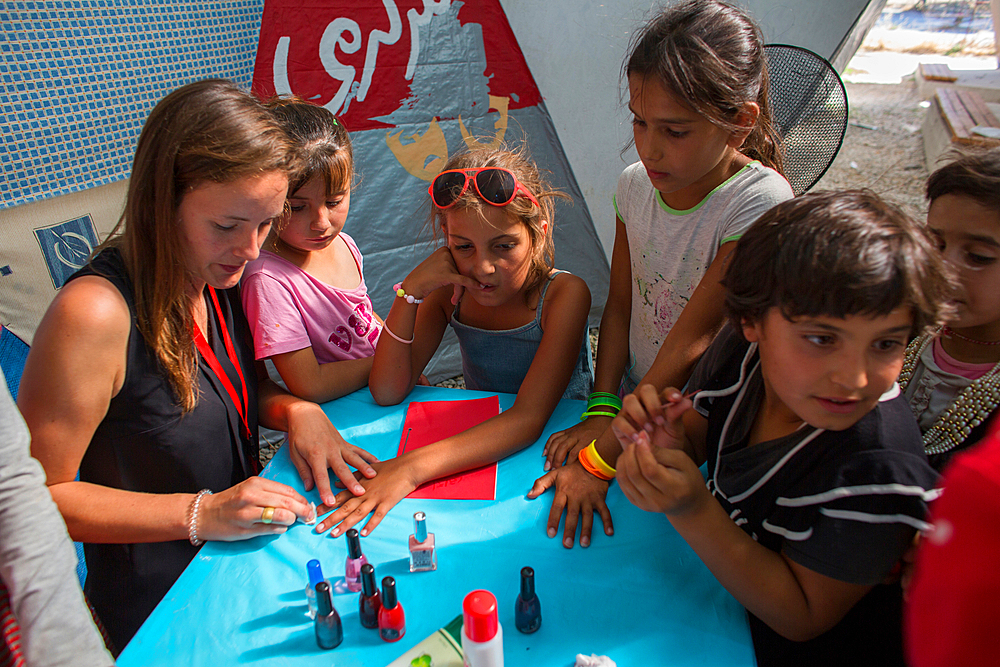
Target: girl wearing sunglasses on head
[521, 324]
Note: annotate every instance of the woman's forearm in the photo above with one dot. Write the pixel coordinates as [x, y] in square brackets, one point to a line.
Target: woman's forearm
[100, 514]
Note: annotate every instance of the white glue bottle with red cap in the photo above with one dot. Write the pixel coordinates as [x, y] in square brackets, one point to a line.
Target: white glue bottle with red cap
[482, 636]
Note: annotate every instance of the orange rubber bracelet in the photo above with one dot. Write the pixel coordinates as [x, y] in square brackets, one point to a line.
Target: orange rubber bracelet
[594, 464]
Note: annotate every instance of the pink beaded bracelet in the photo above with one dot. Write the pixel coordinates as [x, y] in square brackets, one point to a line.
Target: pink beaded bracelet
[401, 293]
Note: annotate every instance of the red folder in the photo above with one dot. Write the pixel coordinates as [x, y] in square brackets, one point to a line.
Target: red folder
[430, 421]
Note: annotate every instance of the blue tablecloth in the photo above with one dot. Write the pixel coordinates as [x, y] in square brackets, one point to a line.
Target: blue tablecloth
[641, 597]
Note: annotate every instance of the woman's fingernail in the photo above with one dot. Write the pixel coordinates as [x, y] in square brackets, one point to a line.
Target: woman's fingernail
[568, 543]
[660, 420]
[584, 541]
[647, 427]
[364, 533]
[546, 466]
[552, 532]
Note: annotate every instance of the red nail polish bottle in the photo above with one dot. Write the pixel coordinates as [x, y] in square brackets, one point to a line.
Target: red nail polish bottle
[391, 620]
[369, 602]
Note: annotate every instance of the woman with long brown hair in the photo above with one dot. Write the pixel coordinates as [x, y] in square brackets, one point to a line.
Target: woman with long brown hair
[142, 374]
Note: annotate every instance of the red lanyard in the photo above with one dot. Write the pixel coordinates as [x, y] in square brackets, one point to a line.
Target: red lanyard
[213, 362]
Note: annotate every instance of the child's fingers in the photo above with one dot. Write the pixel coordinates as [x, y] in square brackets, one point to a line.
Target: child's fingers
[541, 485]
[586, 523]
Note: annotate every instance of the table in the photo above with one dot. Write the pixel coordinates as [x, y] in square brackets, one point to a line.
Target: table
[641, 597]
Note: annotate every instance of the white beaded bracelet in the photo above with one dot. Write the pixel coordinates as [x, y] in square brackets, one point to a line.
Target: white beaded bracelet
[401, 293]
[193, 517]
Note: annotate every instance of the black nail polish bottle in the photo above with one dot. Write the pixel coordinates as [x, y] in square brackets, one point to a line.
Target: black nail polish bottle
[527, 609]
[370, 602]
[329, 631]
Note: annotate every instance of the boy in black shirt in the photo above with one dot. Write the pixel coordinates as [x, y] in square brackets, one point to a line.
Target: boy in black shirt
[817, 480]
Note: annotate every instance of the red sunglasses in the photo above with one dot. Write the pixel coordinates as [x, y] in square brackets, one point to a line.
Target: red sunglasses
[494, 185]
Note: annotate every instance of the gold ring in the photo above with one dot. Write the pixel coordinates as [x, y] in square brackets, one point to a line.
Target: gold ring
[267, 515]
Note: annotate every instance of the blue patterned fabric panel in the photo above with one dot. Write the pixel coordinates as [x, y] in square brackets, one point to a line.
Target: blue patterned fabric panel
[79, 78]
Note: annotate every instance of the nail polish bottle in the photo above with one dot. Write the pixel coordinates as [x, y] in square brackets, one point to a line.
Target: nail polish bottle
[482, 636]
[329, 631]
[391, 620]
[527, 608]
[355, 559]
[370, 602]
[315, 576]
[422, 555]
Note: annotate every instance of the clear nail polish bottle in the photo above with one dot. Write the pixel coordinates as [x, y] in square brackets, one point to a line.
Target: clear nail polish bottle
[315, 572]
[422, 555]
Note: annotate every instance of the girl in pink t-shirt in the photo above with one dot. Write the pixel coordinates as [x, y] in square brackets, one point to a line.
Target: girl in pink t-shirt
[305, 296]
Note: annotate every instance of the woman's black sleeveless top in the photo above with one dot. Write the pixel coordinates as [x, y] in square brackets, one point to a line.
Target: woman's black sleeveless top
[146, 444]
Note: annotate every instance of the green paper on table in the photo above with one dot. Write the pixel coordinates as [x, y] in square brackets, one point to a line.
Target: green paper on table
[441, 649]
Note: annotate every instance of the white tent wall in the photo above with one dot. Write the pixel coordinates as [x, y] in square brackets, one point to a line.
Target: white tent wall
[575, 49]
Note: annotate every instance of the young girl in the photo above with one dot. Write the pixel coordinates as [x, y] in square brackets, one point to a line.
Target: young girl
[521, 325]
[708, 158]
[305, 296]
[951, 377]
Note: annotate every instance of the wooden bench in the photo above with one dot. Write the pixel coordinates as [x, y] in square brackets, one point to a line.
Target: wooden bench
[964, 110]
[950, 123]
[936, 72]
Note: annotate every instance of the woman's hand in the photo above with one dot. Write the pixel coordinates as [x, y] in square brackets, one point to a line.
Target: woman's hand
[381, 493]
[655, 415]
[659, 479]
[237, 512]
[580, 494]
[438, 270]
[564, 446]
[315, 446]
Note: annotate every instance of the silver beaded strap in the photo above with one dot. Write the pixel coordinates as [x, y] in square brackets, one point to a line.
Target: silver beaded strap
[193, 517]
[970, 408]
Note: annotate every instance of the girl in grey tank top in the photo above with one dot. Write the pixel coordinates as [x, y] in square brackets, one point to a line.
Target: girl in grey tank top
[522, 325]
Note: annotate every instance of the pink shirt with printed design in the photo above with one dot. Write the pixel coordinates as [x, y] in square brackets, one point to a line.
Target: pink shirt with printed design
[290, 310]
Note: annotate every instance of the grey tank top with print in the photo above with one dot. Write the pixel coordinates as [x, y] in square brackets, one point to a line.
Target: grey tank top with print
[499, 360]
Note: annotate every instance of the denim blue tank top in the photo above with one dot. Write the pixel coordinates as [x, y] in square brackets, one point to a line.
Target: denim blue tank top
[499, 360]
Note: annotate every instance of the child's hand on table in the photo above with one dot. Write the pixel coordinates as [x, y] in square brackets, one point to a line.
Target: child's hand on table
[391, 484]
[580, 494]
[564, 446]
[315, 446]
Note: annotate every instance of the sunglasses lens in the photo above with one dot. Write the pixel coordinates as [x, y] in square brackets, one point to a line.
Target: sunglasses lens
[496, 186]
[447, 188]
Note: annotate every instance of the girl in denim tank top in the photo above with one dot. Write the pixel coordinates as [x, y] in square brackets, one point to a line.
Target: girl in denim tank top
[523, 325]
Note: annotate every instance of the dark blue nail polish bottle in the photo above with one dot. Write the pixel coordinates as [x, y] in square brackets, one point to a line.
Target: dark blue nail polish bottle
[329, 631]
[527, 609]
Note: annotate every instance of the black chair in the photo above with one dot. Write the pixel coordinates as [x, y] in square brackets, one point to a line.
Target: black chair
[809, 107]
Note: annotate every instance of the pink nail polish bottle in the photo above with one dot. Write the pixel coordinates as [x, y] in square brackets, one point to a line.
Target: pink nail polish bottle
[422, 555]
[355, 559]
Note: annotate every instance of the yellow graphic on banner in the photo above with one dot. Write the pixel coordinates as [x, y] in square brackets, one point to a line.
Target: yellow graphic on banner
[425, 155]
